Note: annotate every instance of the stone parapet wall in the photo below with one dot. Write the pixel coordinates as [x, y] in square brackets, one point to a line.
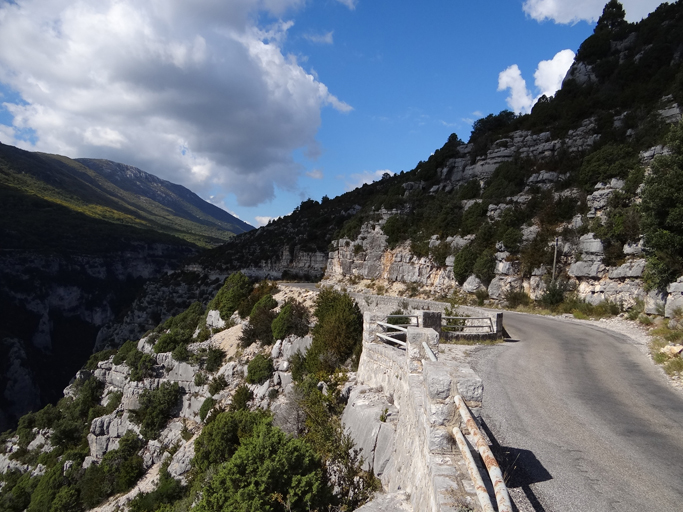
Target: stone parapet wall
[424, 461]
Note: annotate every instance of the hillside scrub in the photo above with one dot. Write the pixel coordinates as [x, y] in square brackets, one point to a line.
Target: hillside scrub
[155, 408]
[662, 220]
[236, 288]
[259, 369]
[293, 319]
[337, 336]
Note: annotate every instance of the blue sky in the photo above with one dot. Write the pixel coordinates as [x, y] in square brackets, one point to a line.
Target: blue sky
[257, 105]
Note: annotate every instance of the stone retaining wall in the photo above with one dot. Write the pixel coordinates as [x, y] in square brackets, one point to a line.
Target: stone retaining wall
[424, 461]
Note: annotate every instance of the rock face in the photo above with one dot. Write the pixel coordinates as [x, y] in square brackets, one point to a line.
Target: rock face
[53, 307]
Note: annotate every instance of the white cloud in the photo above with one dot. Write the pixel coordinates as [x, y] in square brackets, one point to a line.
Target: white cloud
[325, 38]
[263, 220]
[573, 11]
[547, 79]
[359, 179]
[192, 92]
[477, 113]
[550, 73]
[316, 174]
[520, 99]
[351, 4]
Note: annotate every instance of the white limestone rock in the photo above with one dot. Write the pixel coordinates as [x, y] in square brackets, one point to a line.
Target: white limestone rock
[214, 320]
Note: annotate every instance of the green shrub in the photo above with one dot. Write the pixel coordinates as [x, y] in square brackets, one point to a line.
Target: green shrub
[397, 320]
[217, 384]
[214, 359]
[259, 328]
[236, 288]
[102, 355]
[481, 296]
[463, 264]
[261, 290]
[260, 369]
[516, 298]
[119, 471]
[155, 408]
[67, 499]
[610, 161]
[268, 464]
[553, 295]
[662, 220]
[200, 379]
[140, 364]
[180, 353]
[265, 302]
[338, 334]
[220, 438]
[292, 319]
[206, 407]
[168, 491]
[46, 490]
[123, 352]
[484, 267]
[241, 398]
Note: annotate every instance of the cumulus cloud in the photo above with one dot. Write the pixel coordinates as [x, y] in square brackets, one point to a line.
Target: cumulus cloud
[193, 92]
[547, 78]
[325, 38]
[566, 11]
[316, 174]
[360, 179]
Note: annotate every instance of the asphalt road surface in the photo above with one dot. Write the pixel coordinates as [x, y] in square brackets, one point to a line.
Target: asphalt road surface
[582, 419]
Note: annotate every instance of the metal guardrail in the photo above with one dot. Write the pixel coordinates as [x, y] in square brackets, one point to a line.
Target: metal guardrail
[488, 322]
[393, 331]
[479, 486]
[429, 351]
[502, 496]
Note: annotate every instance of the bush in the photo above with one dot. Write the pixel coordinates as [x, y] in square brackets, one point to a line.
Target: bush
[140, 364]
[292, 319]
[180, 353]
[214, 359]
[259, 328]
[155, 408]
[484, 267]
[463, 264]
[124, 350]
[481, 296]
[200, 379]
[516, 298]
[266, 302]
[338, 334]
[217, 384]
[206, 407]
[236, 288]
[241, 398]
[220, 438]
[119, 471]
[261, 290]
[168, 491]
[553, 295]
[260, 369]
[269, 471]
[397, 320]
[102, 355]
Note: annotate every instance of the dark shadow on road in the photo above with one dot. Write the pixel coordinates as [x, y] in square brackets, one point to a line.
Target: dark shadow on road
[520, 468]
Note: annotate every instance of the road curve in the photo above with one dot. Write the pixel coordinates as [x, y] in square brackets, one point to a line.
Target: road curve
[585, 420]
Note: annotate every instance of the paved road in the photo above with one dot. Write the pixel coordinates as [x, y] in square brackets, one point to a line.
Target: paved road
[590, 421]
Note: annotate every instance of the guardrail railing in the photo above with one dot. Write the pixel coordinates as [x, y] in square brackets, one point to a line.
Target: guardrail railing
[463, 323]
[396, 333]
[502, 496]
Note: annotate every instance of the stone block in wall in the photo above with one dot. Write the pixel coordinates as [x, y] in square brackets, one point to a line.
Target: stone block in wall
[430, 320]
[438, 380]
[440, 440]
[469, 385]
